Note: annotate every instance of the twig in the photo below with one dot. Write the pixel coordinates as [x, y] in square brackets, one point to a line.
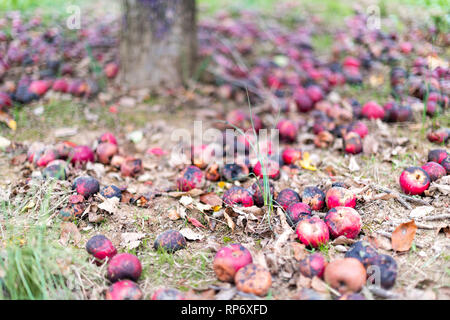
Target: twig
[438, 217]
[419, 225]
[404, 196]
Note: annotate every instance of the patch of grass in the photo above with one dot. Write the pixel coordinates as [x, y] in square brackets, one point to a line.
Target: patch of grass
[33, 265]
[322, 42]
[324, 249]
[50, 11]
[57, 113]
[193, 270]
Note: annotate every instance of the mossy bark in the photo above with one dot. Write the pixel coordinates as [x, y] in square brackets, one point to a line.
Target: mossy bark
[158, 42]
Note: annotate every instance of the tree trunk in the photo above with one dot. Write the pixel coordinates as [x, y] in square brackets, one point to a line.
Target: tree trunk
[158, 42]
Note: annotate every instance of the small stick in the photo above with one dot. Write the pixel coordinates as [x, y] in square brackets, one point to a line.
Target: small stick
[424, 226]
[404, 196]
[438, 217]
[418, 224]
[403, 202]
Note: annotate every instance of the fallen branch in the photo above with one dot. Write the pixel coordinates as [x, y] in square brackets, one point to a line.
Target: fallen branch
[419, 225]
[438, 217]
[400, 195]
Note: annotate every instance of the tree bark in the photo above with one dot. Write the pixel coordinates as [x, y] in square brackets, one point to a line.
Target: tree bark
[158, 42]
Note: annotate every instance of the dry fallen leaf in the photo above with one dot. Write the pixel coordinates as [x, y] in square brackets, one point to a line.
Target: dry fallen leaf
[379, 242]
[211, 198]
[343, 240]
[190, 234]
[443, 188]
[109, 205]
[93, 217]
[230, 221]
[203, 207]
[370, 144]
[299, 250]
[69, 231]
[193, 193]
[306, 162]
[186, 200]
[131, 240]
[403, 236]
[353, 165]
[173, 214]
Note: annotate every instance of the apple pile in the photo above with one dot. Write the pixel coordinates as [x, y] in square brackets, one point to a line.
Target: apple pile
[65, 160]
[123, 269]
[234, 263]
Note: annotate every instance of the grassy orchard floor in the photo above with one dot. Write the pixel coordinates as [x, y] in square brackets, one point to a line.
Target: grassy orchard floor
[31, 233]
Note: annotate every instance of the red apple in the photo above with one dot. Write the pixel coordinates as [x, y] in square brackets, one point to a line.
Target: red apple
[312, 231]
[414, 180]
[338, 196]
[372, 110]
[229, 260]
[343, 221]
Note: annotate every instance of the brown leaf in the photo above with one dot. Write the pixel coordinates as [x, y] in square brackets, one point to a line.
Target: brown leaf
[379, 242]
[126, 197]
[230, 221]
[17, 160]
[173, 214]
[403, 236]
[330, 171]
[193, 193]
[211, 198]
[69, 231]
[95, 218]
[299, 250]
[343, 240]
[252, 210]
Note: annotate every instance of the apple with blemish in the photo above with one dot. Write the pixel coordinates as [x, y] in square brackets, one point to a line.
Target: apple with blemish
[312, 231]
[414, 180]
